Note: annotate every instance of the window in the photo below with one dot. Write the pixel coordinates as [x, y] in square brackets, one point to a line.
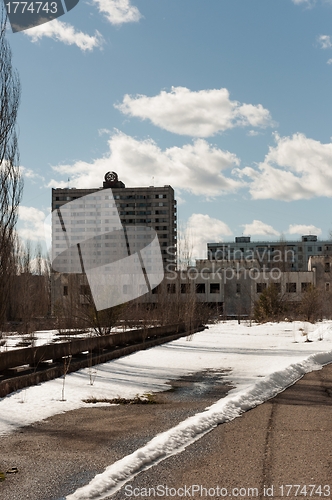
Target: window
[155, 290]
[309, 249]
[171, 288]
[200, 288]
[291, 287]
[260, 287]
[65, 290]
[214, 287]
[327, 267]
[319, 249]
[238, 288]
[304, 287]
[185, 287]
[327, 287]
[277, 286]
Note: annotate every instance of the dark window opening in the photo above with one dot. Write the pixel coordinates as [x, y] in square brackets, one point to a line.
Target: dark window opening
[214, 287]
[200, 288]
[291, 287]
[260, 287]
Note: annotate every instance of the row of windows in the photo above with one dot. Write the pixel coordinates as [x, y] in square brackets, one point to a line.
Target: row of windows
[186, 288]
[139, 196]
[268, 249]
[159, 204]
[109, 197]
[290, 287]
[201, 288]
[143, 212]
[144, 221]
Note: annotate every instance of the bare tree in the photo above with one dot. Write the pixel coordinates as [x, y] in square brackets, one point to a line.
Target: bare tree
[11, 184]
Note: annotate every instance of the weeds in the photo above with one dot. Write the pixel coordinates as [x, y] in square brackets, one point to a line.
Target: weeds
[146, 399]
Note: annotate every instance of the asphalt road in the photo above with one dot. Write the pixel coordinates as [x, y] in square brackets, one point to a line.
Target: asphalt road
[285, 441]
[266, 453]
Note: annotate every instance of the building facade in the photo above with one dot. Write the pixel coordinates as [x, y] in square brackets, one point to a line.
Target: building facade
[137, 206]
[285, 255]
[232, 287]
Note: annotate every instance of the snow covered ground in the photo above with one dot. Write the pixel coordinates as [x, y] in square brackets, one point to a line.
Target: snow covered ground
[262, 359]
[14, 340]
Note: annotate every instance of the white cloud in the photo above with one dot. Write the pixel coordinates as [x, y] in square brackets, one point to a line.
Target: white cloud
[118, 11]
[30, 174]
[198, 167]
[296, 168]
[200, 230]
[64, 32]
[257, 227]
[252, 133]
[325, 41]
[304, 229]
[31, 223]
[308, 3]
[198, 114]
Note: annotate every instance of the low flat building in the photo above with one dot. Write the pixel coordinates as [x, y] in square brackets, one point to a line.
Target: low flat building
[286, 255]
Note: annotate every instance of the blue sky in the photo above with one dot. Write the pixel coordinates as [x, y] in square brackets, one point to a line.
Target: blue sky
[229, 101]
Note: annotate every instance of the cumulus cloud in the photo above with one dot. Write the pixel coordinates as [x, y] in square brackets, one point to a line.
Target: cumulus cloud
[308, 3]
[296, 168]
[304, 229]
[252, 133]
[198, 167]
[198, 114]
[257, 227]
[31, 174]
[325, 41]
[31, 223]
[200, 230]
[118, 12]
[66, 33]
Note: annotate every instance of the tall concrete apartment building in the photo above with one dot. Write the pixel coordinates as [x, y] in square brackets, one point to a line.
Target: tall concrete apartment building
[286, 255]
[142, 206]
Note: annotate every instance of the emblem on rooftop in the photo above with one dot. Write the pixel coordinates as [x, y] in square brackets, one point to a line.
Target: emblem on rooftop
[111, 177]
